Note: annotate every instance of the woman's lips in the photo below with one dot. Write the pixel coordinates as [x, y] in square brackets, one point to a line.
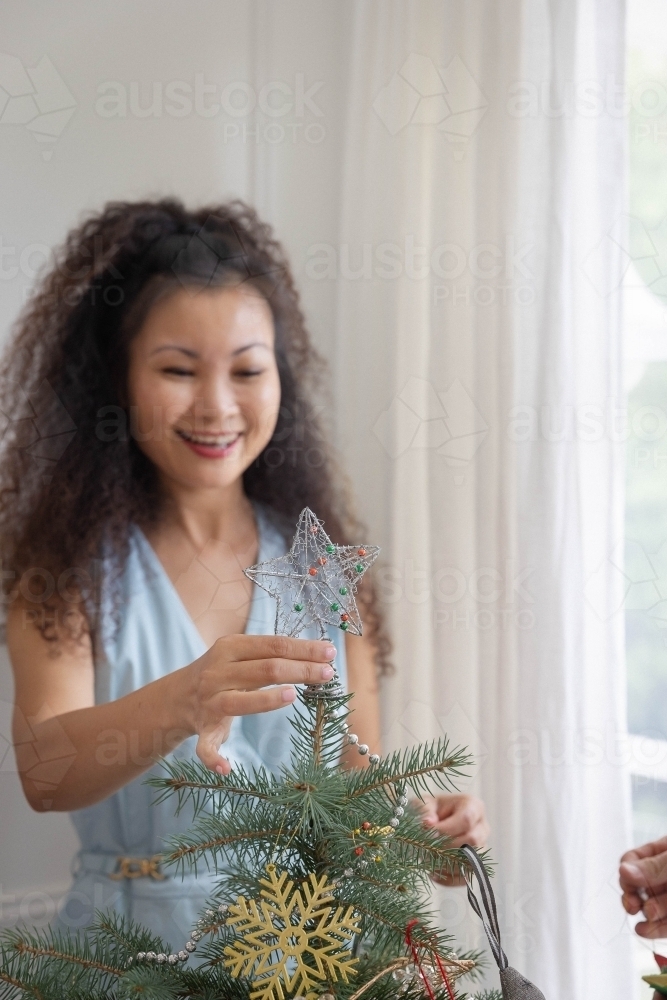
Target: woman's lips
[212, 448]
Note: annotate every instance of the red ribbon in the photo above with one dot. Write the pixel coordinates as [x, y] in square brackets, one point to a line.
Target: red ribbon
[415, 957]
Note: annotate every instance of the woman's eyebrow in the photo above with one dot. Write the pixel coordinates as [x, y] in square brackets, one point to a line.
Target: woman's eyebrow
[194, 354]
[246, 347]
[175, 347]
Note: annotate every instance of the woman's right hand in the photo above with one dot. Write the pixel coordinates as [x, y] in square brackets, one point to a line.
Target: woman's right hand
[231, 679]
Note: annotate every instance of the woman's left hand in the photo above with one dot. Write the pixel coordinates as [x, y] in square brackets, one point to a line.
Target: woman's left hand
[461, 817]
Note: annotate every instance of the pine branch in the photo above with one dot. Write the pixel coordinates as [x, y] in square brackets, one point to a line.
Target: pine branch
[55, 964]
[329, 731]
[251, 830]
[87, 963]
[313, 795]
[421, 768]
[191, 781]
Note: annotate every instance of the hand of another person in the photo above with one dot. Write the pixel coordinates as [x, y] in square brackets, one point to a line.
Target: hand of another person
[461, 817]
[245, 674]
[642, 873]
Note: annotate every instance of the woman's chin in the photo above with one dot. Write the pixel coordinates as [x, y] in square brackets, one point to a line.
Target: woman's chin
[196, 473]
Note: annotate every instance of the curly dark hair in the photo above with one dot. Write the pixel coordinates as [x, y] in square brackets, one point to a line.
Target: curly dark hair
[73, 480]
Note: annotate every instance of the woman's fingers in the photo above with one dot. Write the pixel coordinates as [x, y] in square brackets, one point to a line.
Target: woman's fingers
[282, 647]
[632, 903]
[643, 872]
[656, 907]
[246, 675]
[207, 749]
[252, 674]
[646, 850]
[476, 836]
[247, 662]
[652, 929]
[449, 879]
[461, 817]
[229, 704]
[254, 702]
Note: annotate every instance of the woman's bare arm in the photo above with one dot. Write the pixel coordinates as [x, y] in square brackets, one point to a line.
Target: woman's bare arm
[72, 753]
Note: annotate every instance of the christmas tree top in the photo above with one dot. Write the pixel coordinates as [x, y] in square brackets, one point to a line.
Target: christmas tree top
[323, 874]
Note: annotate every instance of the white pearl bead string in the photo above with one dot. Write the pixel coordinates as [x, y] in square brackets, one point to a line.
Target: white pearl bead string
[160, 958]
[353, 740]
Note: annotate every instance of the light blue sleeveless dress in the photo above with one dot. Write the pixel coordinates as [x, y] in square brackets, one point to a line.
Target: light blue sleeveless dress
[156, 636]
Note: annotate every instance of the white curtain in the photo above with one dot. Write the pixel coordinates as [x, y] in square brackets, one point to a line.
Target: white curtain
[477, 369]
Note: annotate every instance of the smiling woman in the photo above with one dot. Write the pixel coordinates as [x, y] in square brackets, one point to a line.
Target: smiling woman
[174, 343]
[139, 274]
[188, 385]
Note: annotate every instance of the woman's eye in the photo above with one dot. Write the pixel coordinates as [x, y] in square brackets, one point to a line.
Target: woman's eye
[177, 371]
[249, 372]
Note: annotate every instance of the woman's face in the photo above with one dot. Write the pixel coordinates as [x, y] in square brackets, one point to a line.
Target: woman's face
[203, 384]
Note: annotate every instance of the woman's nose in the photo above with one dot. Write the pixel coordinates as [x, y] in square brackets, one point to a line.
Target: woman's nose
[215, 401]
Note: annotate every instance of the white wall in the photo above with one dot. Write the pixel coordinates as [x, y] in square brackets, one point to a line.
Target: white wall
[46, 186]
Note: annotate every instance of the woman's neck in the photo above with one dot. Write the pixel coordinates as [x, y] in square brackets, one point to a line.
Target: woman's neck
[201, 515]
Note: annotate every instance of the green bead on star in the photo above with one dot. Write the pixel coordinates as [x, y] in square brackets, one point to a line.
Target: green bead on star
[298, 607]
[335, 607]
[359, 568]
[343, 625]
[343, 591]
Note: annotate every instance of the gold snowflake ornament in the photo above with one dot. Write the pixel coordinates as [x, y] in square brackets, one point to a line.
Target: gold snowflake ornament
[291, 939]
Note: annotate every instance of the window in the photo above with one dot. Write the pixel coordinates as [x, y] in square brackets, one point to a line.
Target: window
[645, 332]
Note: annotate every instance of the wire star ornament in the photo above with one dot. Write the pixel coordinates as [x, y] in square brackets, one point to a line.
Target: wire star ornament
[315, 582]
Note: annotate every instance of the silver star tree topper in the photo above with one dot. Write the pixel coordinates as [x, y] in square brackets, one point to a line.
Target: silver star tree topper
[315, 583]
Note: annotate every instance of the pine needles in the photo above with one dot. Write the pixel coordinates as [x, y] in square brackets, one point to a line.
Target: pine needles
[312, 817]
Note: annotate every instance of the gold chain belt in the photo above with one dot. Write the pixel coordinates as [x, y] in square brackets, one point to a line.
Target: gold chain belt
[138, 868]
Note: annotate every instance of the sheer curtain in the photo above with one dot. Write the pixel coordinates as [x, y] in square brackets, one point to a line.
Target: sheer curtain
[477, 374]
